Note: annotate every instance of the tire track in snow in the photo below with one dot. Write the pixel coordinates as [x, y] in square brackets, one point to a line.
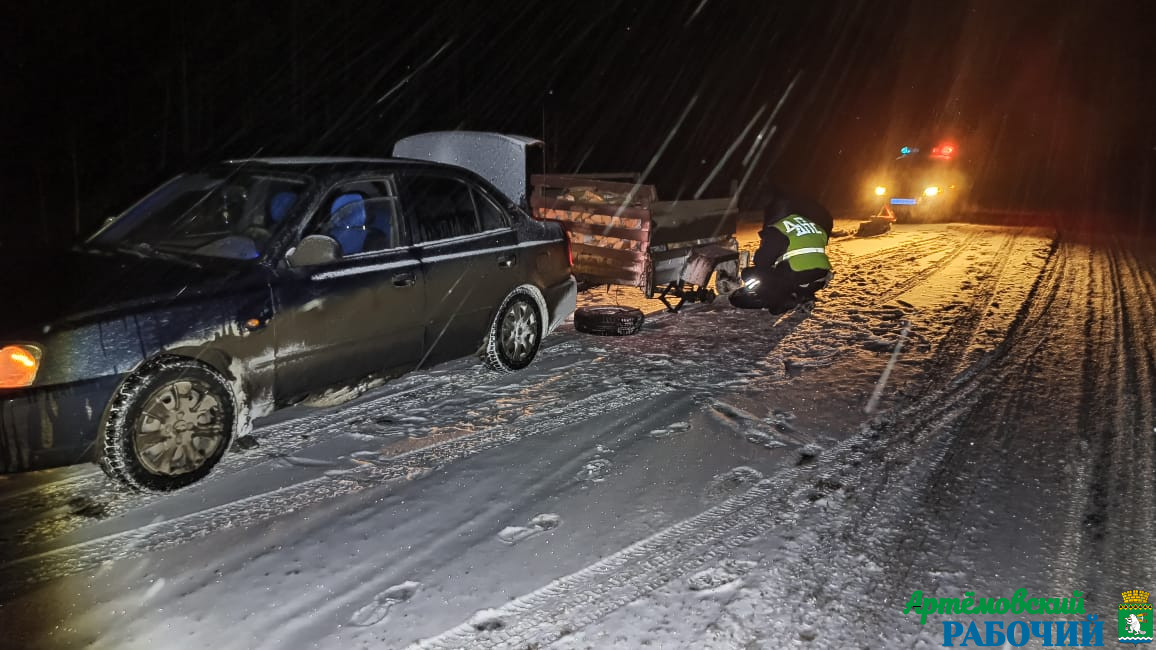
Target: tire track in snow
[298, 619]
[574, 601]
[1142, 323]
[1086, 540]
[1117, 475]
[1146, 385]
[1070, 552]
[934, 244]
[170, 533]
[922, 275]
[949, 353]
[1116, 427]
[882, 266]
[947, 475]
[923, 438]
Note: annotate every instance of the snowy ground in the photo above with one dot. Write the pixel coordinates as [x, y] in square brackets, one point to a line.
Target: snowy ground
[712, 482]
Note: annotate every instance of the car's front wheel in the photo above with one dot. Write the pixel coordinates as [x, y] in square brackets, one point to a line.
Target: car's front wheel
[515, 334]
[168, 425]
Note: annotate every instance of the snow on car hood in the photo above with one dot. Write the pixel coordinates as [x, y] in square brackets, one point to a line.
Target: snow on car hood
[79, 285]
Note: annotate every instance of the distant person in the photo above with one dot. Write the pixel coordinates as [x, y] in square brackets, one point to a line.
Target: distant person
[791, 263]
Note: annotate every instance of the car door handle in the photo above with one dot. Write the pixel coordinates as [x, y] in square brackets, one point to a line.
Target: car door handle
[405, 279]
[507, 260]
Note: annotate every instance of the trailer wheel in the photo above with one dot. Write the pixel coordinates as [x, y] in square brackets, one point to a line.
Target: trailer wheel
[873, 227]
[608, 320]
[726, 278]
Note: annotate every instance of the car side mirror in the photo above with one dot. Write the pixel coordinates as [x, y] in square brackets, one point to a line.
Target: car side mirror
[314, 250]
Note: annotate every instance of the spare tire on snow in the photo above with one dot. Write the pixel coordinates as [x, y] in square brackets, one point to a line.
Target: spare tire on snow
[607, 320]
[873, 226]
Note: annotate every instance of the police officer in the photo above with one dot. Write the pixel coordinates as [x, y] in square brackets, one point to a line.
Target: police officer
[791, 262]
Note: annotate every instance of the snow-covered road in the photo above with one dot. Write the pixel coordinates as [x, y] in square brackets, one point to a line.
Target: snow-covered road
[713, 481]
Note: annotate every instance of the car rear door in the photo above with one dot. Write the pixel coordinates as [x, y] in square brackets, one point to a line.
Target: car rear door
[469, 258]
[360, 314]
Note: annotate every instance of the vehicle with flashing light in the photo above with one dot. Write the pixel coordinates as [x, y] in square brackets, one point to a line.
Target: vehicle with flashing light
[245, 286]
[918, 185]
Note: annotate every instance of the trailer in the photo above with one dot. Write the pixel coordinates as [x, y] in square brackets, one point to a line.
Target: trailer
[621, 234]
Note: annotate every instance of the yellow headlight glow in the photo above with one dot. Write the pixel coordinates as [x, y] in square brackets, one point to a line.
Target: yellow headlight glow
[880, 190]
[23, 358]
[931, 191]
[18, 366]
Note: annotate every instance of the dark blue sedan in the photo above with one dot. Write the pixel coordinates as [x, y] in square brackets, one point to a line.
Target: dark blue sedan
[243, 287]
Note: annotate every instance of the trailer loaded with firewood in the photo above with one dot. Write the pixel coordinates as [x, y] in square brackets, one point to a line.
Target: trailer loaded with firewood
[621, 234]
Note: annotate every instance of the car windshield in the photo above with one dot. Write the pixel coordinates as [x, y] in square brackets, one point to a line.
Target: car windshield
[226, 214]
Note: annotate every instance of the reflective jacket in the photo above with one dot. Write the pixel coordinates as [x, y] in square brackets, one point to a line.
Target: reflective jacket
[806, 244]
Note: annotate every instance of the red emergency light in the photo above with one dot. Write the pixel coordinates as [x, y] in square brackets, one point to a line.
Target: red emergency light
[943, 151]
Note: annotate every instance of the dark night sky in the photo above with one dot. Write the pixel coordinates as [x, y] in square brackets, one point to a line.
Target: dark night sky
[1051, 102]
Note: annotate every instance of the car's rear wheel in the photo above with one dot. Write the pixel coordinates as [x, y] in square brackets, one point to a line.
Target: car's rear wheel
[168, 425]
[515, 334]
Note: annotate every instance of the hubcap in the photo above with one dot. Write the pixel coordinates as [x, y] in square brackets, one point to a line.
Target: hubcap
[180, 427]
[520, 331]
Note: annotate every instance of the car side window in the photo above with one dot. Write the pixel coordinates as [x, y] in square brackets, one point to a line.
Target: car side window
[362, 217]
[491, 215]
[441, 207]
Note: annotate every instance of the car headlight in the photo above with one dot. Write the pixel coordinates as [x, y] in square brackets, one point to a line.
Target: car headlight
[880, 190]
[931, 191]
[18, 365]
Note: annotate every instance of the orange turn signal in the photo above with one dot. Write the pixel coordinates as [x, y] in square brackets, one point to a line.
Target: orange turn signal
[18, 366]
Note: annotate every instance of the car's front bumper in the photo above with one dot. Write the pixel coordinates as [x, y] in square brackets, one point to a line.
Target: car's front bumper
[52, 426]
[561, 301]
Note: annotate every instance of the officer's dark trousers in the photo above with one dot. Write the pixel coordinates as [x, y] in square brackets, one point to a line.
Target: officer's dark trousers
[783, 288]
